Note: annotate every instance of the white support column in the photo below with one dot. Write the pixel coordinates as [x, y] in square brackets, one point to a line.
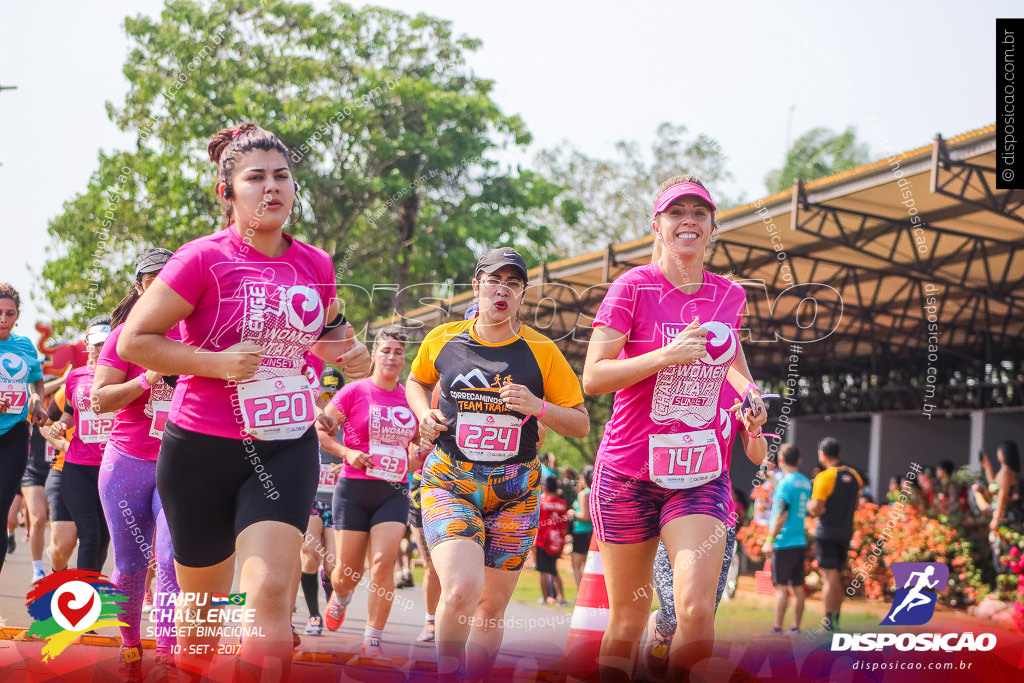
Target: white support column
[977, 439]
[875, 454]
[791, 433]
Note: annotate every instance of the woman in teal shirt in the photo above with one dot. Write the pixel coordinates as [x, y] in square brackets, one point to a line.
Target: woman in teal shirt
[582, 527]
[21, 386]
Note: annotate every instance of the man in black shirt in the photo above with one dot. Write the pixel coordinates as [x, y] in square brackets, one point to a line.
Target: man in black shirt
[834, 498]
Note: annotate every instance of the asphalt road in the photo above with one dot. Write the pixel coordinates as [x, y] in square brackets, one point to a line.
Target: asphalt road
[534, 635]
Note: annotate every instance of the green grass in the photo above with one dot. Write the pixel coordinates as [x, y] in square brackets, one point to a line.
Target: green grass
[749, 615]
[528, 589]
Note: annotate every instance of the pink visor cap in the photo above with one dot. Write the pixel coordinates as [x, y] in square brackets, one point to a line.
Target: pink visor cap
[674, 192]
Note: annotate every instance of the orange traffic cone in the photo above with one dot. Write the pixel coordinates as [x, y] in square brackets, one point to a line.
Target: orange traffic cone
[589, 617]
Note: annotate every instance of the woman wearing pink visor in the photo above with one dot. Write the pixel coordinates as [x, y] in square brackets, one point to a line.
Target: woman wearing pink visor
[664, 340]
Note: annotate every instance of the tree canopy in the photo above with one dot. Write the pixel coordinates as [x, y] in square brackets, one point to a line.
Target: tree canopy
[610, 199]
[818, 153]
[395, 143]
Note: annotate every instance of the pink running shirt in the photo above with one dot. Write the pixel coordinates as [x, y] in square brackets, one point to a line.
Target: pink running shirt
[374, 416]
[241, 295]
[133, 422]
[645, 306]
[78, 393]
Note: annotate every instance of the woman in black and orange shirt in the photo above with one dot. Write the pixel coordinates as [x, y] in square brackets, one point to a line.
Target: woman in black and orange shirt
[499, 379]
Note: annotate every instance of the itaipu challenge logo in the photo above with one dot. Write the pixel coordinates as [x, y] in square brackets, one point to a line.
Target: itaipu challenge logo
[916, 586]
[68, 603]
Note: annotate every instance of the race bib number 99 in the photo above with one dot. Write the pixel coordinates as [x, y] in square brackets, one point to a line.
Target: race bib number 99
[488, 438]
[328, 479]
[683, 461]
[277, 409]
[16, 393]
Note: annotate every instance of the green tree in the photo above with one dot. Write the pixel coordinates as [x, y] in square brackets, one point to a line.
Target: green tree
[609, 200]
[393, 140]
[818, 153]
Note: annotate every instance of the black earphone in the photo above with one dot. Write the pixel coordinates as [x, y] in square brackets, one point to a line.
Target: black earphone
[227, 191]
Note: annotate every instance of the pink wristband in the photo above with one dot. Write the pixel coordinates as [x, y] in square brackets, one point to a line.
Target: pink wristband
[544, 409]
[142, 382]
[749, 387]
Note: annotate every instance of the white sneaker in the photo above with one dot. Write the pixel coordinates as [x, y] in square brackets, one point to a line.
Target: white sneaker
[372, 648]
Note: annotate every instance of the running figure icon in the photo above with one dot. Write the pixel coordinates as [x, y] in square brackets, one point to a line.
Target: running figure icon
[914, 598]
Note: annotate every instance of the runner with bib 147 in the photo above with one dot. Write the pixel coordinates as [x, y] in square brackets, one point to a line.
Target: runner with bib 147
[665, 341]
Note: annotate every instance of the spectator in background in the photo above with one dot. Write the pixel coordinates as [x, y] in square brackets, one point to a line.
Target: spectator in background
[926, 485]
[554, 519]
[865, 496]
[567, 487]
[582, 526]
[787, 542]
[834, 500]
[1005, 484]
[547, 465]
[952, 496]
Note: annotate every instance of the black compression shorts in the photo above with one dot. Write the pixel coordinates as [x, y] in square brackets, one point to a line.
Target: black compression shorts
[361, 504]
[213, 488]
[58, 510]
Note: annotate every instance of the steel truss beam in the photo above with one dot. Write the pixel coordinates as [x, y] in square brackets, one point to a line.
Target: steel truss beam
[963, 175]
[862, 230]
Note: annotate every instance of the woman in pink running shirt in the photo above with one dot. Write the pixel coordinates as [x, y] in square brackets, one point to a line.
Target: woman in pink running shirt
[371, 498]
[664, 340]
[238, 464]
[79, 486]
[127, 480]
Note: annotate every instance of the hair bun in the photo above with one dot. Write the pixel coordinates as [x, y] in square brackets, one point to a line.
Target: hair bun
[223, 137]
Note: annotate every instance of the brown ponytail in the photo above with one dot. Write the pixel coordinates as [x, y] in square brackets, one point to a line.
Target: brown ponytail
[229, 145]
[120, 313]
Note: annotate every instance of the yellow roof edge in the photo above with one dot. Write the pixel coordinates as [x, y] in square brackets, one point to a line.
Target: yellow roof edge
[853, 173]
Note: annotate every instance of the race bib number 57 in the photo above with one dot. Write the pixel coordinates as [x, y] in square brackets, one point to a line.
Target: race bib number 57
[16, 393]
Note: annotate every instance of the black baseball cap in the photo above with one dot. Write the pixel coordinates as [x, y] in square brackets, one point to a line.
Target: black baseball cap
[498, 258]
[151, 261]
[331, 380]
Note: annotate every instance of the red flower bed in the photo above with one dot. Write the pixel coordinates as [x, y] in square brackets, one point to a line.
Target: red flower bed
[883, 534]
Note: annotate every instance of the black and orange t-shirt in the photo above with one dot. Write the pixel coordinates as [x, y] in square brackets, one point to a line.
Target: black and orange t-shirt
[471, 372]
[840, 488]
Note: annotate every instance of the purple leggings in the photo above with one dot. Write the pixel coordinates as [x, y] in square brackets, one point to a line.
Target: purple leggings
[135, 516]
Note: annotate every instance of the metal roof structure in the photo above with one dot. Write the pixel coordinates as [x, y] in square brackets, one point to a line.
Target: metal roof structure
[899, 277]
